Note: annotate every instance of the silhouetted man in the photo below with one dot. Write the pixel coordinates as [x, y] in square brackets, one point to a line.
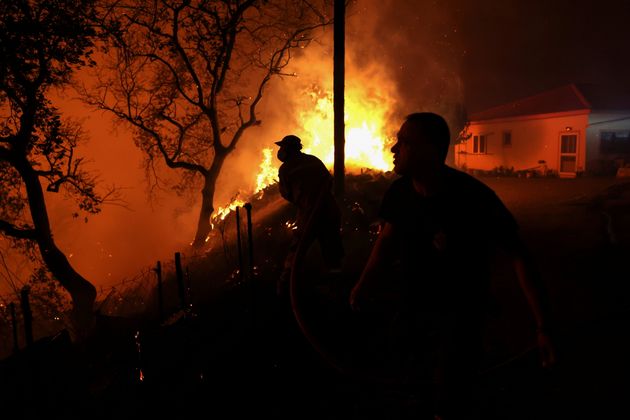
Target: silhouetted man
[442, 225]
[306, 182]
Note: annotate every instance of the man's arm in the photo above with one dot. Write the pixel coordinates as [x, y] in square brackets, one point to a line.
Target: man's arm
[530, 282]
[380, 257]
[283, 184]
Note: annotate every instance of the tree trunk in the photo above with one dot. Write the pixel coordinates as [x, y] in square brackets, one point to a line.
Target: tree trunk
[207, 204]
[82, 292]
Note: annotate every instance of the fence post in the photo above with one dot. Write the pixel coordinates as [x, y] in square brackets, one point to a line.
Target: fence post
[160, 295]
[250, 238]
[189, 288]
[239, 246]
[250, 270]
[27, 315]
[16, 345]
[180, 280]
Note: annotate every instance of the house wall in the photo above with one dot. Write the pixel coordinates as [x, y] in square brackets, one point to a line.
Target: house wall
[596, 161]
[533, 139]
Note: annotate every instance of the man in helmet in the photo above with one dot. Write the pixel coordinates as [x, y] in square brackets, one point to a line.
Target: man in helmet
[306, 182]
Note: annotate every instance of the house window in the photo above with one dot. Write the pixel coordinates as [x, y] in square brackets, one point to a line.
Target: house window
[614, 141]
[568, 144]
[479, 145]
[507, 138]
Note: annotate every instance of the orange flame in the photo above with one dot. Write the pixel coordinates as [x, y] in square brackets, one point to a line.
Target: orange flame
[222, 212]
[268, 173]
[367, 143]
[366, 140]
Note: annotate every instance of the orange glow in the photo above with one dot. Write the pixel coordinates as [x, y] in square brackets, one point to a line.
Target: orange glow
[367, 144]
[366, 141]
[268, 173]
[222, 212]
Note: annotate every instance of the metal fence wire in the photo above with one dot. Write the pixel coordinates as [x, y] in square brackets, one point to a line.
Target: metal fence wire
[136, 296]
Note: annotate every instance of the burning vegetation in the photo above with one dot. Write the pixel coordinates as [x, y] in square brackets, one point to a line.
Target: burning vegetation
[368, 138]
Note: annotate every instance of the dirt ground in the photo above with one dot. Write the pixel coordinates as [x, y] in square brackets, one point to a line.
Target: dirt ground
[568, 225]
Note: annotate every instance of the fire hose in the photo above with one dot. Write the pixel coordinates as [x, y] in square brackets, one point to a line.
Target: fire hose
[306, 331]
[296, 268]
[325, 354]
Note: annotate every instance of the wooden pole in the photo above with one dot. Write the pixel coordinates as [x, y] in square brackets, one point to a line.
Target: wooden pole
[27, 315]
[160, 292]
[180, 280]
[251, 286]
[239, 245]
[189, 294]
[338, 95]
[16, 345]
[250, 238]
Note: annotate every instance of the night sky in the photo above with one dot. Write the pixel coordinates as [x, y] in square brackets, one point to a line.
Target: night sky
[518, 48]
[503, 50]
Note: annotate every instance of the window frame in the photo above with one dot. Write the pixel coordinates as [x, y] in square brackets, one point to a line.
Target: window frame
[480, 144]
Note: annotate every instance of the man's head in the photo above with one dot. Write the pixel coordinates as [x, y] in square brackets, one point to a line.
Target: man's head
[422, 145]
[289, 145]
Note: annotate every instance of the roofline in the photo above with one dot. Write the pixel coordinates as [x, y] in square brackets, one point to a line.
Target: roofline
[533, 116]
[580, 96]
[627, 117]
[573, 87]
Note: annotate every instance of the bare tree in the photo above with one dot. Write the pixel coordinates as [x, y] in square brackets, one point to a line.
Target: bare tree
[188, 76]
[41, 43]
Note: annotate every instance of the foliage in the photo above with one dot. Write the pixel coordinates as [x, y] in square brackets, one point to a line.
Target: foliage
[42, 42]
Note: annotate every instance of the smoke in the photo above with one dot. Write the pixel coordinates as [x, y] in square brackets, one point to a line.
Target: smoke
[402, 57]
[128, 234]
[420, 48]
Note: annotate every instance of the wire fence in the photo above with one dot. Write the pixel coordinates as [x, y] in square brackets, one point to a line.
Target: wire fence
[153, 293]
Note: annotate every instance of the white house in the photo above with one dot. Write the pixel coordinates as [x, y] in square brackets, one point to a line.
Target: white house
[568, 131]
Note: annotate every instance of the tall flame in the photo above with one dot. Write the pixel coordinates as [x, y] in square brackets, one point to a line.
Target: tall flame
[268, 173]
[367, 144]
[366, 139]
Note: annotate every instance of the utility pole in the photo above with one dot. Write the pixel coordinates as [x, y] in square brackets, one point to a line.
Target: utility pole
[338, 96]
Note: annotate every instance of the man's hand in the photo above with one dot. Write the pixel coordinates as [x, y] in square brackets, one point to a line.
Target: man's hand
[546, 348]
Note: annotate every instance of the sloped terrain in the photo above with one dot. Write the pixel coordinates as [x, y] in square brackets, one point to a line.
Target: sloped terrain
[238, 352]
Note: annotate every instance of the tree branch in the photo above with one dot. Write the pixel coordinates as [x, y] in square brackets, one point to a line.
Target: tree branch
[184, 56]
[10, 229]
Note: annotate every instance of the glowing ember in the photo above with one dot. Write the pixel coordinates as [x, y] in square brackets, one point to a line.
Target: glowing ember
[290, 225]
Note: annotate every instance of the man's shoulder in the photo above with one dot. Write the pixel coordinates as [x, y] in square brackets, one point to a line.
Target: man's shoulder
[310, 158]
[466, 183]
[401, 182]
[312, 163]
[400, 185]
[284, 166]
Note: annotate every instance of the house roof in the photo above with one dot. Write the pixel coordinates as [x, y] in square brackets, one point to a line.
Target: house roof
[572, 97]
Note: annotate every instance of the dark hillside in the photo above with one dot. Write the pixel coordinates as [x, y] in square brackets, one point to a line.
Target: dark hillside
[238, 351]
